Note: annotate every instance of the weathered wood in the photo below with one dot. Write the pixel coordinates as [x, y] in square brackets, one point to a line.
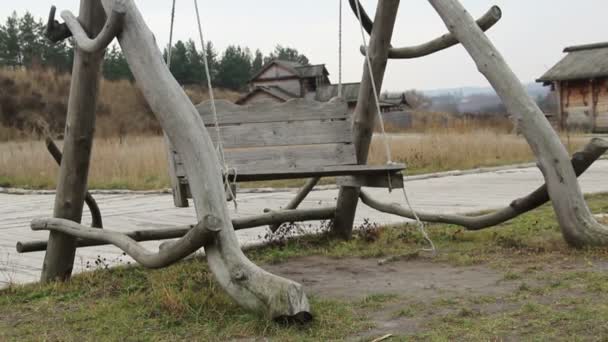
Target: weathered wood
[80, 126]
[284, 159]
[284, 133]
[207, 230]
[365, 112]
[389, 180]
[446, 41]
[300, 196]
[581, 161]
[250, 286]
[321, 171]
[96, 220]
[110, 30]
[579, 227]
[178, 186]
[274, 217]
[292, 110]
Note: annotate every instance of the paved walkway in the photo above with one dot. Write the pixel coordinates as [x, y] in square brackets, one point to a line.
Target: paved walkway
[126, 212]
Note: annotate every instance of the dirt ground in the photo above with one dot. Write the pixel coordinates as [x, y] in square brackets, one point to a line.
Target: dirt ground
[410, 293]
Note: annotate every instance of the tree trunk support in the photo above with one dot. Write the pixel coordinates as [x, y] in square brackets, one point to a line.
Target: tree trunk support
[80, 127]
[365, 112]
[581, 161]
[579, 227]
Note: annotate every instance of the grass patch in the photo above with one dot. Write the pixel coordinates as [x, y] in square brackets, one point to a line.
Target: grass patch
[558, 293]
[138, 162]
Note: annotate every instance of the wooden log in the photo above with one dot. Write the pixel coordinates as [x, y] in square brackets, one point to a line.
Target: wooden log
[179, 232]
[250, 286]
[581, 161]
[110, 30]
[179, 189]
[80, 126]
[206, 230]
[446, 41]
[579, 227]
[295, 202]
[365, 112]
[96, 219]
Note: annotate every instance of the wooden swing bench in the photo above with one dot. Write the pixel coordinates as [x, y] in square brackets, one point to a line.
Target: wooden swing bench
[296, 139]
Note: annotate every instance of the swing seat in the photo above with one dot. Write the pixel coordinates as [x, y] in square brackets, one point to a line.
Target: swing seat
[296, 139]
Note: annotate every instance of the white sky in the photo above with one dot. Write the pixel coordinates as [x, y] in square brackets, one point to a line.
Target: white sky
[531, 34]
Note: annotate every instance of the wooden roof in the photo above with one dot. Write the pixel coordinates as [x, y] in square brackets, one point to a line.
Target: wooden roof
[300, 70]
[274, 91]
[582, 62]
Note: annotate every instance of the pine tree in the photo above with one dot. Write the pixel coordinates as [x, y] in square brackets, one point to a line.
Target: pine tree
[258, 62]
[10, 53]
[212, 61]
[30, 43]
[195, 68]
[234, 68]
[179, 62]
[287, 54]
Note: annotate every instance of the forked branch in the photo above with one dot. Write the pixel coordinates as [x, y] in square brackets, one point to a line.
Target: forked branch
[206, 231]
[485, 22]
[111, 29]
[446, 41]
[578, 225]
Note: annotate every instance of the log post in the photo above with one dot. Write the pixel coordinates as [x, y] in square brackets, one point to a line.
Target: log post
[578, 225]
[80, 127]
[365, 112]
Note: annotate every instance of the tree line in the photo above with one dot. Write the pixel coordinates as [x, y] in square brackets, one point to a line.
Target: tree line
[23, 44]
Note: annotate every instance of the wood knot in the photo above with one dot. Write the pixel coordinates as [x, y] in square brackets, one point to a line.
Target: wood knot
[239, 275]
[211, 223]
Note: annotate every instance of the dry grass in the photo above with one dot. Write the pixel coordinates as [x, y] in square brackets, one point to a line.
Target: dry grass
[139, 162]
[450, 151]
[134, 162]
[31, 98]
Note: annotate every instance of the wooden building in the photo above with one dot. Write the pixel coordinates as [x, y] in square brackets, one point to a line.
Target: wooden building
[280, 81]
[580, 81]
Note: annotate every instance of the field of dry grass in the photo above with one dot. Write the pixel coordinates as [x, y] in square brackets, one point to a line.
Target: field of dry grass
[139, 162]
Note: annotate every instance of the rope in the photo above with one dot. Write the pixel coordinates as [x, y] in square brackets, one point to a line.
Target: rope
[220, 145]
[170, 49]
[419, 223]
[340, 51]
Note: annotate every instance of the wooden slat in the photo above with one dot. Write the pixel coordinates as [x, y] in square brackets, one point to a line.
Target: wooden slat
[388, 179]
[293, 110]
[289, 157]
[284, 133]
[321, 171]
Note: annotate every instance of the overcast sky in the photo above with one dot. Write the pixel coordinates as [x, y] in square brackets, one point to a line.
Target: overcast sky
[531, 34]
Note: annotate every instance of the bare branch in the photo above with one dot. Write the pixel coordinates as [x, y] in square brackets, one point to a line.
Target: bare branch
[446, 41]
[581, 161]
[206, 231]
[295, 202]
[578, 225]
[111, 29]
[367, 23]
[179, 232]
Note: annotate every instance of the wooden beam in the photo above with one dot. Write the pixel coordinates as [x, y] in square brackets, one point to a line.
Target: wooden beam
[365, 112]
[274, 217]
[300, 196]
[80, 126]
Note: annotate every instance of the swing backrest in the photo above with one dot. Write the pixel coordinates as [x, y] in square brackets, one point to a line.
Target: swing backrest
[296, 134]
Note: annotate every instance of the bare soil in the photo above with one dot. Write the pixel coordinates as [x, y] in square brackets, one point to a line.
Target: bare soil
[409, 293]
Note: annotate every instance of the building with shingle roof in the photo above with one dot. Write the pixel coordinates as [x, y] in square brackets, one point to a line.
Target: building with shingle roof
[580, 81]
[279, 81]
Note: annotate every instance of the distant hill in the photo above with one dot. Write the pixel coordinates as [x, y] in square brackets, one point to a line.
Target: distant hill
[534, 89]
